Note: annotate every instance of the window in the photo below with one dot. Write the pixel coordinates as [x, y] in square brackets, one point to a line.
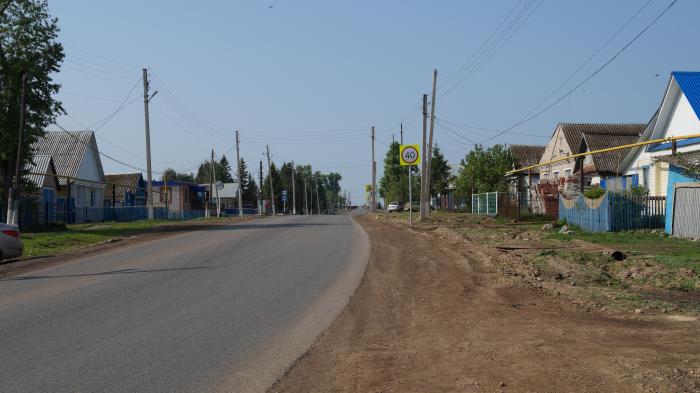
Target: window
[556, 174]
[567, 173]
[92, 198]
[645, 176]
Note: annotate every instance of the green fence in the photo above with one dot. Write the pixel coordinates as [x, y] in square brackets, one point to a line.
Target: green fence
[485, 203]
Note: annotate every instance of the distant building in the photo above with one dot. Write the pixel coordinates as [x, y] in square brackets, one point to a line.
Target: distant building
[77, 158]
[125, 189]
[40, 206]
[179, 195]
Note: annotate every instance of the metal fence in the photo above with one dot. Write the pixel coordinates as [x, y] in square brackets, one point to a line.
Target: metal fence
[485, 203]
[686, 211]
[613, 212]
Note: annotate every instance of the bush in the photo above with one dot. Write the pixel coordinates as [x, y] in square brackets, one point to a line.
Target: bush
[594, 192]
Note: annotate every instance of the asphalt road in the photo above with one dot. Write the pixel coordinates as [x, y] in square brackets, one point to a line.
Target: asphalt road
[226, 309]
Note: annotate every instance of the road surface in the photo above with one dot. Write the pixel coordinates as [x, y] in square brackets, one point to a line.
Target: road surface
[226, 309]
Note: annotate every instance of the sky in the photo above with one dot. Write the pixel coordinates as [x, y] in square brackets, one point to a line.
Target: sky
[310, 78]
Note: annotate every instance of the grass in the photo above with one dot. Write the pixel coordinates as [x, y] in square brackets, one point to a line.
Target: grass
[672, 253]
[81, 235]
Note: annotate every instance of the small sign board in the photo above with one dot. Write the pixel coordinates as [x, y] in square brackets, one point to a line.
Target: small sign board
[284, 195]
[409, 155]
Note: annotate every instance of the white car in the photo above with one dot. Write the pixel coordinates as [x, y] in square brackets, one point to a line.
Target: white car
[393, 207]
[11, 245]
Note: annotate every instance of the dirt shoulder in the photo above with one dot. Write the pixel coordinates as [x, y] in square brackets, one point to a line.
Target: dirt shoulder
[432, 315]
[116, 239]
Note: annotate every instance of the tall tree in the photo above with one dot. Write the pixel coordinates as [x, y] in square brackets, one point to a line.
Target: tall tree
[223, 170]
[390, 185]
[440, 173]
[171, 174]
[27, 45]
[484, 170]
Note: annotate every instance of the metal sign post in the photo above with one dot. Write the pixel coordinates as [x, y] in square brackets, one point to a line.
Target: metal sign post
[284, 201]
[409, 155]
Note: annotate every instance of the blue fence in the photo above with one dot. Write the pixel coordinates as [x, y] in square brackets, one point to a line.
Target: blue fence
[613, 212]
[135, 213]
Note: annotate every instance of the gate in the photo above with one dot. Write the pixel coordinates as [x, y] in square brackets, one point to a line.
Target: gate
[686, 210]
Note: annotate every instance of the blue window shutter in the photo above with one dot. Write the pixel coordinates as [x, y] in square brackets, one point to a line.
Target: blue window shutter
[635, 180]
[603, 183]
[624, 182]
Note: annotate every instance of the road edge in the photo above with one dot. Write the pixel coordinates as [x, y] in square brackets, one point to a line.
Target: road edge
[296, 343]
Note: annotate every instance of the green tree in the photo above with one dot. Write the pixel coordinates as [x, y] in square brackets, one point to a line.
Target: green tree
[223, 170]
[391, 186]
[27, 45]
[439, 173]
[171, 174]
[484, 170]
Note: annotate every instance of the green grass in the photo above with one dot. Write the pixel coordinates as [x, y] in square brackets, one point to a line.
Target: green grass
[672, 253]
[81, 235]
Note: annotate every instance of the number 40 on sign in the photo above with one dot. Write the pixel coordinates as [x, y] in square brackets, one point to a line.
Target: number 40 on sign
[410, 155]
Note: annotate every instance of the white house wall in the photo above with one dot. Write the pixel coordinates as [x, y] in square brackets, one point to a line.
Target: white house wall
[557, 147]
[677, 118]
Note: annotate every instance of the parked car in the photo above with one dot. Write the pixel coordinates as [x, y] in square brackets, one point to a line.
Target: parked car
[415, 206]
[394, 207]
[11, 245]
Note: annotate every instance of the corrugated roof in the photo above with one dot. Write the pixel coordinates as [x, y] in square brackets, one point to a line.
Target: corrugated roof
[67, 150]
[683, 160]
[122, 182]
[42, 163]
[230, 190]
[689, 82]
[573, 131]
[611, 137]
[526, 155]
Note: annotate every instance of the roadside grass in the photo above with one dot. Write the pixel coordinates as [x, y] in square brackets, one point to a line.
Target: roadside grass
[77, 236]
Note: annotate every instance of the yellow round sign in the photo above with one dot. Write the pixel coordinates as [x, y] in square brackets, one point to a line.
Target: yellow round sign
[409, 155]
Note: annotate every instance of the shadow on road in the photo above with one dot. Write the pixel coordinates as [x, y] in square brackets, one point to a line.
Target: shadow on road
[121, 271]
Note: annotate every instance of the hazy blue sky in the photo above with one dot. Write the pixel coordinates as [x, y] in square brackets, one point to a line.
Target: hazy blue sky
[311, 77]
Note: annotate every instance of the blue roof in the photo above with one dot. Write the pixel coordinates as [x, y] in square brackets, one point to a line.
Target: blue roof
[689, 82]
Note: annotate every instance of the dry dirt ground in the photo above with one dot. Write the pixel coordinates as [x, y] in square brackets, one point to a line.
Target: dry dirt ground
[432, 315]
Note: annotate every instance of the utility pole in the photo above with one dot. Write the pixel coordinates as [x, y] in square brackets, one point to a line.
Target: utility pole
[373, 199]
[428, 174]
[269, 171]
[218, 201]
[14, 194]
[149, 173]
[240, 181]
[294, 192]
[306, 201]
[260, 185]
[423, 163]
[318, 200]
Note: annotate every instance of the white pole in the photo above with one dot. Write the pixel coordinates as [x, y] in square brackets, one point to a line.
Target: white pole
[410, 199]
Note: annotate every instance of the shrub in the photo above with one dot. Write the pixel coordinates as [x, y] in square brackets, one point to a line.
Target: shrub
[594, 192]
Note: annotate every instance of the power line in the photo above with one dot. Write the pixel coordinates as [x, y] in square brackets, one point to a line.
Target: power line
[589, 77]
[94, 75]
[467, 127]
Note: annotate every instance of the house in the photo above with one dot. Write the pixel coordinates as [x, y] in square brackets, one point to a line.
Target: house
[524, 156]
[678, 115]
[178, 195]
[81, 177]
[683, 194]
[125, 189]
[228, 195]
[565, 142]
[40, 206]
[602, 168]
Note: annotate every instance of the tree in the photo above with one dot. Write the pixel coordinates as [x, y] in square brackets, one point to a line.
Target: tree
[27, 45]
[484, 170]
[223, 170]
[391, 184]
[439, 173]
[171, 174]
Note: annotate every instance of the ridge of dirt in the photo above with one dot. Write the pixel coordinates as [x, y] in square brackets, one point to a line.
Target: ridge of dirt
[433, 315]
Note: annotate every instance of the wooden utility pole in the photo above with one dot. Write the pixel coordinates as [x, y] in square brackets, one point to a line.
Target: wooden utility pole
[306, 200]
[373, 195]
[294, 192]
[429, 152]
[14, 194]
[240, 180]
[260, 185]
[213, 171]
[423, 160]
[149, 173]
[269, 171]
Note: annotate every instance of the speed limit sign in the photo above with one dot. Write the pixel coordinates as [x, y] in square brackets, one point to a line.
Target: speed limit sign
[410, 155]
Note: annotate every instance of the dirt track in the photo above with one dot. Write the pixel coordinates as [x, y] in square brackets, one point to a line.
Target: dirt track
[428, 317]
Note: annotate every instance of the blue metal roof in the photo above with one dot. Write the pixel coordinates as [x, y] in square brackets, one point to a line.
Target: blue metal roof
[689, 82]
